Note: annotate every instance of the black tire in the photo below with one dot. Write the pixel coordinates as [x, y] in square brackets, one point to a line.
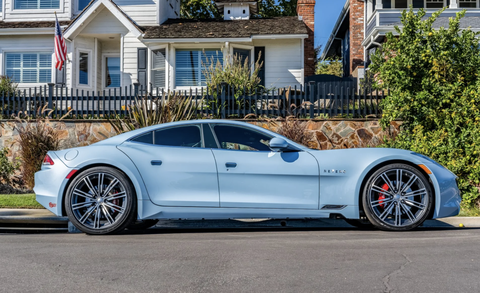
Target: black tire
[142, 224]
[100, 201]
[397, 197]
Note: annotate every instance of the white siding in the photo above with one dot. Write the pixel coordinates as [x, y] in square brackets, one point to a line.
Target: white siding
[283, 62]
[143, 12]
[64, 13]
[130, 46]
[168, 9]
[25, 43]
[105, 23]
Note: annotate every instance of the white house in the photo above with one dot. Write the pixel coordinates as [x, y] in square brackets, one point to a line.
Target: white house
[116, 43]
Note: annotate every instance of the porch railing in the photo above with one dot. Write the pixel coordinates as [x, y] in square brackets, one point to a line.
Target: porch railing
[313, 100]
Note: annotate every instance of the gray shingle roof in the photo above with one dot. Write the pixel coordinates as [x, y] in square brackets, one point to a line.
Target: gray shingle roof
[30, 24]
[183, 28]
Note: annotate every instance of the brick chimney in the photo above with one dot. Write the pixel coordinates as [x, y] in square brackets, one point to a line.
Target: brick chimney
[356, 35]
[306, 9]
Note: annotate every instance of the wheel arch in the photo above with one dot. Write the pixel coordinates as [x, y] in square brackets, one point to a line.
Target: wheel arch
[396, 161]
[89, 166]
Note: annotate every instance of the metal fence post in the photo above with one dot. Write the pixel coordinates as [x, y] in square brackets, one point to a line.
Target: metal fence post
[50, 95]
[222, 102]
[135, 88]
[311, 98]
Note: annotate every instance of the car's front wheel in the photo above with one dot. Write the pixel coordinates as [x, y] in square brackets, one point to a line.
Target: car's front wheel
[100, 200]
[397, 197]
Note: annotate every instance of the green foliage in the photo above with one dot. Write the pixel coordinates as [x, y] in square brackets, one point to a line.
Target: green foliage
[268, 8]
[235, 76]
[434, 88]
[147, 112]
[35, 138]
[7, 86]
[7, 168]
[330, 66]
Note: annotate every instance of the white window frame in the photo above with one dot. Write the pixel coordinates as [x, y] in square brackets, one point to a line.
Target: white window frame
[36, 11]
[150, 65]
[3, 59]
[244, 47]
[425, 4]
[104, 70]
[476, 5]
[90, 68]
[192, 47]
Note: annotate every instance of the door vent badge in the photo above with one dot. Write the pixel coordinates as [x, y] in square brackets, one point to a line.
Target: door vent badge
[333, 207]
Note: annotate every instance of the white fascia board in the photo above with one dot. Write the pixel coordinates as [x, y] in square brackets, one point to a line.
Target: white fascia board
[77, 25]
[204, 40]
[270, 37]
[28, 31]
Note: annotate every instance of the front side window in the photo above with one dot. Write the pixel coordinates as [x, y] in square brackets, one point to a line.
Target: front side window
[240, 138]
[83, 68]
[82, 4]
[468, 3]
[112, 66]
[191, 64]
[37, 4]
[29, 67]
[158, 68]
[184, 136]
[401, 3]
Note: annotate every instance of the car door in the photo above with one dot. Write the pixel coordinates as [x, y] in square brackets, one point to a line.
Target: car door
[176, 167]
[252, 176]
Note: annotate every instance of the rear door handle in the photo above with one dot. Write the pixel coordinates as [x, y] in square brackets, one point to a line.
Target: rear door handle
[156, 163]
[231, 165]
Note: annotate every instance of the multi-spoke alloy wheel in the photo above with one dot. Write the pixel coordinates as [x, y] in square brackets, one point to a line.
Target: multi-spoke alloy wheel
[397, 197]
[100, 201]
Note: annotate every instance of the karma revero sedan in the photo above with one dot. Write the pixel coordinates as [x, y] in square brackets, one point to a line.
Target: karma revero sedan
[217, 169]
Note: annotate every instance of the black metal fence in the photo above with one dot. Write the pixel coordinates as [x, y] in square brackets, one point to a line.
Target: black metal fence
[314, 100]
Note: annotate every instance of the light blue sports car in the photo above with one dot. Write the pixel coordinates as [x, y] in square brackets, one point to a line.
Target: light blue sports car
[217, 169]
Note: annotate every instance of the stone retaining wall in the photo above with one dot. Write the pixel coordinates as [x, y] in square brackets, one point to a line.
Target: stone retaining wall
[324, 134]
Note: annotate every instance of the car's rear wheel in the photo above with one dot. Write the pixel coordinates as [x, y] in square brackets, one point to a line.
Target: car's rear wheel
[101, 200]
[397, 197]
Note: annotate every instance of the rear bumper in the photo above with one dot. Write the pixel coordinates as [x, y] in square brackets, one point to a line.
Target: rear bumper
[50, 183]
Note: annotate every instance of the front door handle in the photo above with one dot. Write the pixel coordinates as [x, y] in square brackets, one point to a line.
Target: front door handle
[231, 165]
[156, 163]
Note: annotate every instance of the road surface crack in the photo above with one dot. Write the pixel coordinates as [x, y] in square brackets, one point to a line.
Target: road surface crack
[386, 279]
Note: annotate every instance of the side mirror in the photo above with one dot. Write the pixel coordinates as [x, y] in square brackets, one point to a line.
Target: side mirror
[278, 144]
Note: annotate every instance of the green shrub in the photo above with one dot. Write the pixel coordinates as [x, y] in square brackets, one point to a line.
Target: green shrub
[433, 78]
[35, 138]
[147, 112]
[7, 86]
[7, 168]
[330, 66]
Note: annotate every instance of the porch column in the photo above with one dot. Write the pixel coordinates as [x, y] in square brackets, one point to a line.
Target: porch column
[379, 5]
[453, 4]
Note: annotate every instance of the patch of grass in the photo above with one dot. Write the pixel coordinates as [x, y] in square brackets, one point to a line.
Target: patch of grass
[19, 201]
[466, 211]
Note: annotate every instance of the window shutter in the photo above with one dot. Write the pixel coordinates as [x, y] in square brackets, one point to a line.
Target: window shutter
[260, 52]
[387, 4]
[142, 67]
[417, 3]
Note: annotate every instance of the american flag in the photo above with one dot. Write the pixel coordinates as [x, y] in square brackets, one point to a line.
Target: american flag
[60, 46]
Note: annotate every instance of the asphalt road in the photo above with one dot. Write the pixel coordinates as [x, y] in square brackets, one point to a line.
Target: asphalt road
[316, 260]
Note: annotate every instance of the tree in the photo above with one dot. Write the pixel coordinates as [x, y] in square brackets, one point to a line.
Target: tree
[433, 78]
[330, 66]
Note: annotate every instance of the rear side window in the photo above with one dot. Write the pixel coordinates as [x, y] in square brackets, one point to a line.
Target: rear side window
[144, 138]
[184, 136]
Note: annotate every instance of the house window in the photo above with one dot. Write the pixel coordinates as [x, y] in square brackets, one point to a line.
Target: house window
[112, 72]
[401, 3]
[82, 4]
[158, 68]
[468, 3]
[434, 3]
[191, 65]
[37, 4]
[83, 64]
[1, 3]
[243, 55]
[29, 67]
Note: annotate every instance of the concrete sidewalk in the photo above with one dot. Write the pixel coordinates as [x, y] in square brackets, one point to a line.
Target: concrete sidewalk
[27, 217]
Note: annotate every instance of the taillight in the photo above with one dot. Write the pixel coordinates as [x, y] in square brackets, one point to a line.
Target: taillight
[48, 161]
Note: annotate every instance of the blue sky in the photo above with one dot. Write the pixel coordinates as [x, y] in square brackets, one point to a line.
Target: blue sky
[326, 14]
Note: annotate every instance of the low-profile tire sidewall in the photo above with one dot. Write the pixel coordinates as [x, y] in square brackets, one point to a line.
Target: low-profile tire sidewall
[371, 214]
[130, 209]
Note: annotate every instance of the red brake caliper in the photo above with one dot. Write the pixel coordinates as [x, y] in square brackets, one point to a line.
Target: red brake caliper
[382, 195]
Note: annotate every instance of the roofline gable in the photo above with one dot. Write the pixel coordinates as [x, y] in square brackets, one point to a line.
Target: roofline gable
[85, 16]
